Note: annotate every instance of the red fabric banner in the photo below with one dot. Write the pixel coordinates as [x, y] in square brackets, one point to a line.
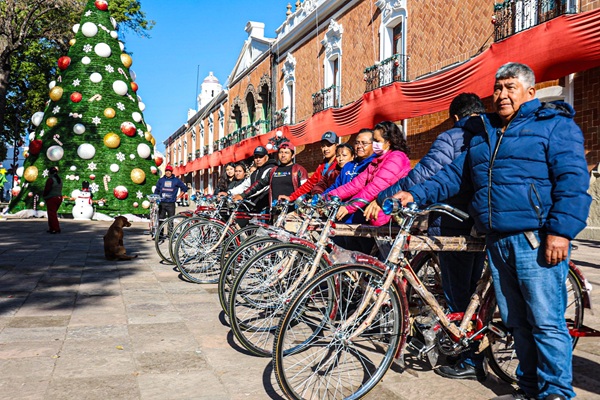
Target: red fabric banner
[554, 49]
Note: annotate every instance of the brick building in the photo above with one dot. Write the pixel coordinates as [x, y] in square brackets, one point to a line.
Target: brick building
[343, 65]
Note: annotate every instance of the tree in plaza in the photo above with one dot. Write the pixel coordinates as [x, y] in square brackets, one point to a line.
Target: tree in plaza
[33, 34]
[92, 127]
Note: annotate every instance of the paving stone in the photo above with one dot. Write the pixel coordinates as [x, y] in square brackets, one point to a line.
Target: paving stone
[114, 387]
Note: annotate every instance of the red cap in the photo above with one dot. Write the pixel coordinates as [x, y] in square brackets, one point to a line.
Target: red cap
[168, 168]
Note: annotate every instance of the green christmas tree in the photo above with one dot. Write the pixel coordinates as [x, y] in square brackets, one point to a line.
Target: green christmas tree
[92, 128]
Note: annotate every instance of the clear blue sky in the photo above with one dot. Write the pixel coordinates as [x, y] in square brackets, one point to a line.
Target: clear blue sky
[191, 38]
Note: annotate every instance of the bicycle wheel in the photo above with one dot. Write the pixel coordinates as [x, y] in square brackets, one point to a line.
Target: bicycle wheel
[501, 353]
[235, 262]
[263, 288]
[162, 239]
[314, 353]
[178, 229]
[234, 241]
[197, 251]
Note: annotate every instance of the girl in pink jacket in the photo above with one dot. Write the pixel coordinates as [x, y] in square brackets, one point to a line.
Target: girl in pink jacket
[391, 164]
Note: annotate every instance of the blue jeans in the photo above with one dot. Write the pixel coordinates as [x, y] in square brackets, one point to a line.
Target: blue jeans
[532, 298]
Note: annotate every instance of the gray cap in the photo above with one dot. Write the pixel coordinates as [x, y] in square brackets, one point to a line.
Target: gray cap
[330, 137]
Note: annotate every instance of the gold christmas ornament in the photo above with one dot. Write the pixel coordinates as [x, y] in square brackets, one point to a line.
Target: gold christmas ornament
[126, 60]
[153, 141]
[56, 93]
[51, 122]
[109, 112]
[138, 176]
[72, 42]
[148, 136]
[112, 140]
[30, 174]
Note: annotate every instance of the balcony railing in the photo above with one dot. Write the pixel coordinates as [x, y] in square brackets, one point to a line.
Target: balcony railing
[189, 157]
[392, 69]
[198, 153]
[326, 98]
[513, 16]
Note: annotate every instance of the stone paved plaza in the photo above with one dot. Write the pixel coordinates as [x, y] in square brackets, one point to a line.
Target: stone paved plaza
[76, 326]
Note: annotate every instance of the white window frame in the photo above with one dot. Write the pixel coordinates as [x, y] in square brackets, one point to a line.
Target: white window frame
[289, 86]
[333, 52]
[393, 12]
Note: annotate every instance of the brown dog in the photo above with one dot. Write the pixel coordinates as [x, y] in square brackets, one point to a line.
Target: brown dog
[113, 241]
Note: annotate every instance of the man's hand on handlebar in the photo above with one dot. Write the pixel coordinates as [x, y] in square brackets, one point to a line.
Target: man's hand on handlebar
[404, 197]
[283, 197]
[237, 197]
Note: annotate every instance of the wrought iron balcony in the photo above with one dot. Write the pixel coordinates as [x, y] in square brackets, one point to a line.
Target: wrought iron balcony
[392, 69]
[198, 153]
[514, 16]
[326, 98]
[189, 156]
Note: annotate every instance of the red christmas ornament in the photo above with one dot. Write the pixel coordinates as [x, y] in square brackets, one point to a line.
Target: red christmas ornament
[158, 161]
[134, 86]
[92, 176]
[128, 128]
[64, 62]
[76, 97]
[120, 192]
[101, 5]
[35, 146]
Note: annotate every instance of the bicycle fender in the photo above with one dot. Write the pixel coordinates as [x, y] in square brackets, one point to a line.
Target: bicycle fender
[586, 286]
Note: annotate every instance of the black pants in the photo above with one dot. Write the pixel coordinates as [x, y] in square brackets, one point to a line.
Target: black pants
[166, 210]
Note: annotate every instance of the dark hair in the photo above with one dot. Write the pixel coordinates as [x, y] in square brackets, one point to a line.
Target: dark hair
[54, 171]
[345, 146]
[466, 104]
[223, 181]
[393, 134]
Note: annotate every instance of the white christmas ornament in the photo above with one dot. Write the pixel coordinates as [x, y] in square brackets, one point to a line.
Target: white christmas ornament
[120, 87]
[133, 76]
[153, 169]
[149, 127]
[143, 150]
[113, 22]
[86, 151]
[121, 46]
[76, 28]
[42, 204]
[95, 77]
[79, 129]
[51, 84]
[55, 153]
[83, 209]
[132, 156]
[114, 34]
[114, 167]
[20, 171]
[86, 60]
[142, 106]
[137, 117]
[89, 29]
[145, 204]
[135, 204]
[103, 50]
[37, 118]
[73, 168]
[31, 136]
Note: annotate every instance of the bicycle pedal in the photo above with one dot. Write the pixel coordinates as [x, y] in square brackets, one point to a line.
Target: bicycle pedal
[415, 347]
[496, 329]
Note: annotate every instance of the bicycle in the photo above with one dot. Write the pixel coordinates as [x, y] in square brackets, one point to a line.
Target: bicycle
[154, 200]
[342, 330]
[198, 247]
[270, 277]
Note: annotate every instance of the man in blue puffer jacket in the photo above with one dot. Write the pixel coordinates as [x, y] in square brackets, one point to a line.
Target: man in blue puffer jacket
[460, 270]
[529, 177]
[167, 188]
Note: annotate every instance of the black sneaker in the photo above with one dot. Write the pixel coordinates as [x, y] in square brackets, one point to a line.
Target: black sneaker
[516, 395]
[462, 371]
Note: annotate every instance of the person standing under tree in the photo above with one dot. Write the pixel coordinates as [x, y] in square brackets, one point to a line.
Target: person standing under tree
[53, 197]
[166, 188]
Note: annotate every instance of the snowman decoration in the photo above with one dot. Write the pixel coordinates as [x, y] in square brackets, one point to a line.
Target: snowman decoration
[83, 208]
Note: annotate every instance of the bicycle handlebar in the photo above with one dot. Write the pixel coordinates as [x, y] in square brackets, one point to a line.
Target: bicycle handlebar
[392, 206]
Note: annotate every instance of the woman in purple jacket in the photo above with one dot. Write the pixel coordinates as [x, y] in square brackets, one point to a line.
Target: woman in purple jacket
[390, 164]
